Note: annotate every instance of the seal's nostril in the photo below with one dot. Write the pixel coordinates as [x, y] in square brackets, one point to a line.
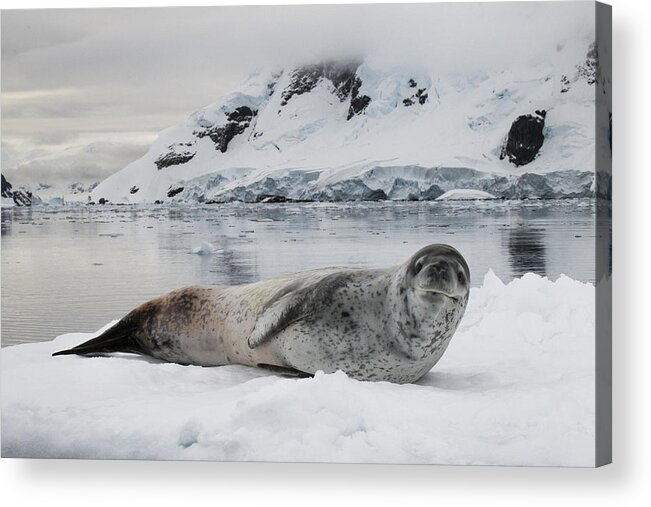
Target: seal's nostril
[440, 267]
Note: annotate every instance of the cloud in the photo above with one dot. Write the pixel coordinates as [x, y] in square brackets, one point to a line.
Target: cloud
[67, 73]
[92, 162]
[213, 44]
[53, 138]
[23, 31]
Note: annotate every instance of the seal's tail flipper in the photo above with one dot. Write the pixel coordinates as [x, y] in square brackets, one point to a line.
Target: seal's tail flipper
[118, 338]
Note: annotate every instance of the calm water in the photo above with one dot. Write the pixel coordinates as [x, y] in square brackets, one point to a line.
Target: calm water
[73, 269]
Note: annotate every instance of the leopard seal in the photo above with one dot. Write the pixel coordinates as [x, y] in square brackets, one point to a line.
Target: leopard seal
[388, 324]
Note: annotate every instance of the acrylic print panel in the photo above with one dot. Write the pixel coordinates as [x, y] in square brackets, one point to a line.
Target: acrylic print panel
[358, 233]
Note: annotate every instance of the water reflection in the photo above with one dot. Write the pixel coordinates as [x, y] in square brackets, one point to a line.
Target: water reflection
[177, 214]
[231, 268]
[526, 249]
[7, 221]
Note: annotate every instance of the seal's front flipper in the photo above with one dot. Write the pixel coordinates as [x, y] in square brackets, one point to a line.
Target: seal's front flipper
[118, 338]
[285, 372]
[288, 310]
[293, 306]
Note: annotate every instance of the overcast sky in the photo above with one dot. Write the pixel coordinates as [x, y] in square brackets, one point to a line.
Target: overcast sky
[84, 92]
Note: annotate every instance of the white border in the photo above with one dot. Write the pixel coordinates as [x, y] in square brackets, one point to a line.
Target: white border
[626, 482]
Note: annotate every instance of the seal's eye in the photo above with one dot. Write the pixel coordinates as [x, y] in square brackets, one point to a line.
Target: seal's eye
[461, 277]
[417, 267]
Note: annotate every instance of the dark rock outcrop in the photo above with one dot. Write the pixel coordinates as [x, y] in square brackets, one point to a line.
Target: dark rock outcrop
[20, 197]
[358, 103]
[271, 87]
[525, 138]
[177, 154]
[420, 96]
[173, 190]
[237, 122]
[133, 189]
[304, 79]
[23, 197]
[224, 134]
[589, 69]
[565, 84]
[241, 114]
[6, 188]
[342, 77]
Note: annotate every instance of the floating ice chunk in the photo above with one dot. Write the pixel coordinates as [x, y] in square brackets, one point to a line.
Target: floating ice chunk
[204, 248]
[465, 194]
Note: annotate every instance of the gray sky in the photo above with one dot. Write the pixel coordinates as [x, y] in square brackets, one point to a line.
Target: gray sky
[84, 92]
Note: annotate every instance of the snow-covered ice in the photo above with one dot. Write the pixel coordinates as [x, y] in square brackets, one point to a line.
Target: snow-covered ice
[516, 387]
[465, 194]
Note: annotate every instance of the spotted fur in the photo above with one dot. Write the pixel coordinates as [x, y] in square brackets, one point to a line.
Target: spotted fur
[375, 324]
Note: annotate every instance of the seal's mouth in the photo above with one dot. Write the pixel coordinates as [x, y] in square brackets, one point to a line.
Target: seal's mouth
[439, 292]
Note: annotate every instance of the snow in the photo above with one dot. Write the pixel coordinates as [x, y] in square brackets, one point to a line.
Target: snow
[515, 387]
[462, 125]
[465, 194]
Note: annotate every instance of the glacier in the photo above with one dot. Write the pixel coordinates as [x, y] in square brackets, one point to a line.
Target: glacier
[363, 130]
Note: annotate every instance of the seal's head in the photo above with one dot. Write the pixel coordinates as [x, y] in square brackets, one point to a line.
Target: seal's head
[431, 290]
[438, 271]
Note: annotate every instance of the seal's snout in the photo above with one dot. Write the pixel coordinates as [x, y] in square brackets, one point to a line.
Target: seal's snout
[440, 269]
[442, 276]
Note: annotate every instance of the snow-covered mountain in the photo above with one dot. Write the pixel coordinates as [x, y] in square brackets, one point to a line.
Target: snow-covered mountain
[61, 193]
[361, 130]
[45, 194]
[14, 197]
